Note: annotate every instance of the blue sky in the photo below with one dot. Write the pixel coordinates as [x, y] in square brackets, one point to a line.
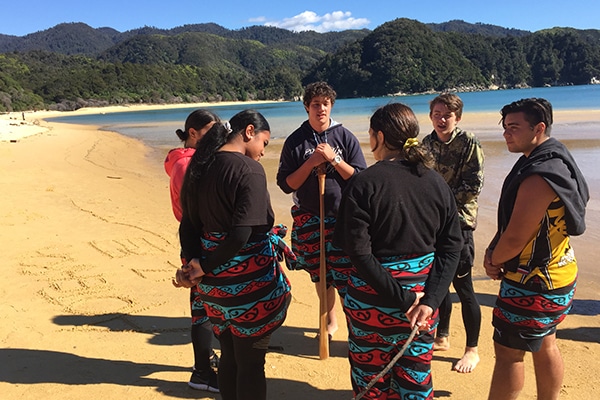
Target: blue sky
[320, 16]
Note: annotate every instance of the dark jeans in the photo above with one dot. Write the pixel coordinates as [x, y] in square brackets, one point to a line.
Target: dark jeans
[463, 285]
[242, 367]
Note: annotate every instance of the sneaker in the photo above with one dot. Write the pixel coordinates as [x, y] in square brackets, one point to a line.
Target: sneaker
[214, 361]
[199, 383]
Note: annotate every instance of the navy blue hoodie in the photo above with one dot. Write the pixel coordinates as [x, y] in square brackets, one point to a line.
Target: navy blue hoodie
[299, 146]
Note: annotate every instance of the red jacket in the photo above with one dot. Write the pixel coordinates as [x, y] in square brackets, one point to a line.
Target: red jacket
[176, 164]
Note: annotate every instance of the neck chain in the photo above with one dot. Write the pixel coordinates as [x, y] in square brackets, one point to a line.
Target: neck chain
[317, 141]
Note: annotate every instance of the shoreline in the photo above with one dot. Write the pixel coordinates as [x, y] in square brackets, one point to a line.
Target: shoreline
[12, 123]
[17, 125]
[585, 123]
[90, 246]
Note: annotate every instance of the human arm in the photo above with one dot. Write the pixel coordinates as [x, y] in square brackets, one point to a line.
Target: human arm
[293, 168]
[371, 270]
[448, 244]
[493, 271]
[189, 238]
[250, 213]
[353, 234]
[420, 314]
[470, 182]
[251, 209]
[531, 203]
[300, 175]
[228, 248]
[440, 277]
[183, 276]
[175, 182]
[343, 168]
[190, 274]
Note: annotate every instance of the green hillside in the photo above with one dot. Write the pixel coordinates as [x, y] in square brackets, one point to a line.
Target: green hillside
[73, 65]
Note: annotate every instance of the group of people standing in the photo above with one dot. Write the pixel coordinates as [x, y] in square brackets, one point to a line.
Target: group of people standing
[397, 234]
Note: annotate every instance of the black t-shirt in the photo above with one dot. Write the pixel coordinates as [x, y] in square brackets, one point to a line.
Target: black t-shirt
[232, 193]
[388, 211]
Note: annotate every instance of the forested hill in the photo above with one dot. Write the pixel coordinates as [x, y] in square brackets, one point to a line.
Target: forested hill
[82, 39]
[406, 56]
[73, 65]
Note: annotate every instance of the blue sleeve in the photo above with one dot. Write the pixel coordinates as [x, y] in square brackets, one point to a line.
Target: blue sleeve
[356, 158]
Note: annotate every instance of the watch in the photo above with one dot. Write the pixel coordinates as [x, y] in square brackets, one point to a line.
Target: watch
[336, 160]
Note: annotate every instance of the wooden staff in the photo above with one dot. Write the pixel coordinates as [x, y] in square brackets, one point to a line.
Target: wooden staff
[322, 287]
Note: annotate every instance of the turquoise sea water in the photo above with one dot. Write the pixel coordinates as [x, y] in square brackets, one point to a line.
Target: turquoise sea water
[157, 127]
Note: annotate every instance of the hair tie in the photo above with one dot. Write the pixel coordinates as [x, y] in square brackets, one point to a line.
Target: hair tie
[410, 142]
[227, 126]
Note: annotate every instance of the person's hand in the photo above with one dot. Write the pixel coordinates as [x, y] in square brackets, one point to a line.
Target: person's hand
[492, 270]
[416, 302]
[189, 275]
[317, 157]
[181, 280]
[194, 269]
[420, 314]
[326, 151]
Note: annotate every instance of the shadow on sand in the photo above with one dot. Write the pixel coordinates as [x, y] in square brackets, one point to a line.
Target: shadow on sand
[32, 366]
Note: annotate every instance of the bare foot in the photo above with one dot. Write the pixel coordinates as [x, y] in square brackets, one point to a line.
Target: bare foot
[441, 343]
[332, 325]
[332, 329]
[468, 362]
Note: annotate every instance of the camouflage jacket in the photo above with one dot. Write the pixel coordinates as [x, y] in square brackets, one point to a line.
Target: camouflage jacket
[460, 162]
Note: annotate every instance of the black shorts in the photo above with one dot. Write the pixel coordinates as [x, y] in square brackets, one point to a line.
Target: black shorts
[526, 313]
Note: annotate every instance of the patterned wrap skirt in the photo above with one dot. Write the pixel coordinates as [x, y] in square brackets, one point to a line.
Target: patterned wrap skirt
[197, 307]
[250, 294]
[524, 314]
[306, 245]
[378, 330]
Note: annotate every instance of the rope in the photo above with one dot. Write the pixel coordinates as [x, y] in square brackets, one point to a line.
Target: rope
[390, 364]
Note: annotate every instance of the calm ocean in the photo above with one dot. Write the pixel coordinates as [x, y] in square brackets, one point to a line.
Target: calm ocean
[157, 127]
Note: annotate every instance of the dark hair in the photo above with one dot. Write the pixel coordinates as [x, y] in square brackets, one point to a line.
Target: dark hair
[535, 109]
[197, 119]
[217, 136]
[398, 123]
[318, 89]
[450, 100]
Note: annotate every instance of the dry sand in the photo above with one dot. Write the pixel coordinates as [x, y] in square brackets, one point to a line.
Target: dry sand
[89, 246]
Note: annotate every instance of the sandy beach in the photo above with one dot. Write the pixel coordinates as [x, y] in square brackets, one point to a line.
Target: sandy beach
[89, 247]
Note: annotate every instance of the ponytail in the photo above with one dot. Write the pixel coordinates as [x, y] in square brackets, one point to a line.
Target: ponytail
[183, 136]
[197, 119]
[417, 154]
[241, 120]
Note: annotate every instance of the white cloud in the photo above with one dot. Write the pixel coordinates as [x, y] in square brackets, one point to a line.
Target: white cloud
[310, 21]
[257, 19]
